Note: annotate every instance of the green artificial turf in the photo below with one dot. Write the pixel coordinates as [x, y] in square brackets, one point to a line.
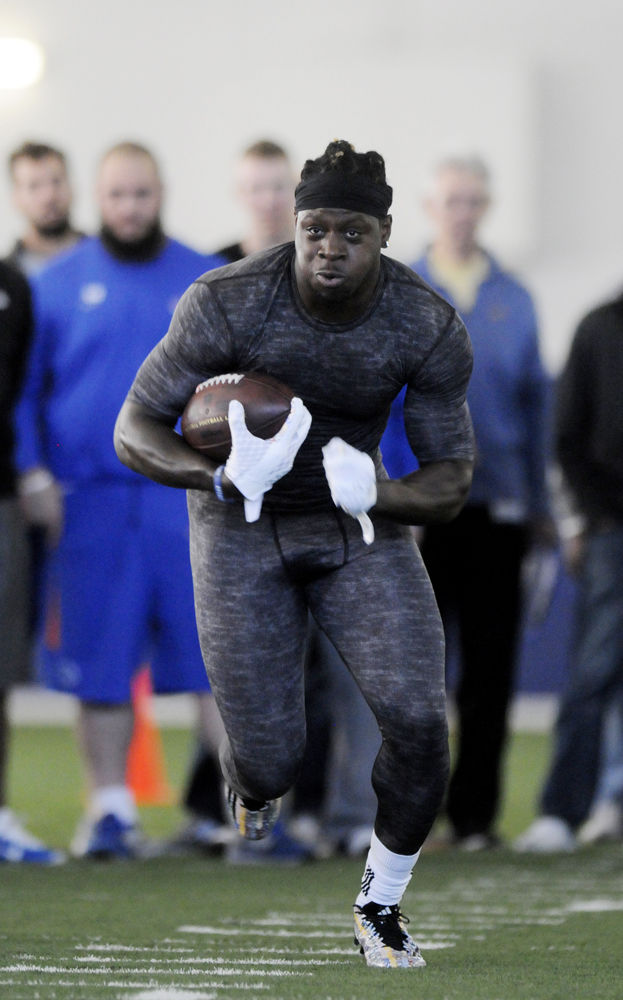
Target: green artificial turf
[494, 926]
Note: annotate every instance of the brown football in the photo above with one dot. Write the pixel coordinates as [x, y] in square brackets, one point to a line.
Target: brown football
[205, 424]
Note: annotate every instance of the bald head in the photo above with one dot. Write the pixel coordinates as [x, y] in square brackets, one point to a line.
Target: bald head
[129, 192]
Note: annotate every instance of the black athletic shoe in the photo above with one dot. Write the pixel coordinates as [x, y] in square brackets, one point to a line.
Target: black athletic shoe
[382, 938]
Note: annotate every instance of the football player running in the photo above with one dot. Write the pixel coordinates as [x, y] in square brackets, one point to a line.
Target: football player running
[325, 530]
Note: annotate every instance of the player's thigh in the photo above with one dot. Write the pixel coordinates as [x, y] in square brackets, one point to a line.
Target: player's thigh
[252, 619]
[380, 612]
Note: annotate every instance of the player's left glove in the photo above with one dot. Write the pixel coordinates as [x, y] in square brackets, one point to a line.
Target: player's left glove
[352, 480]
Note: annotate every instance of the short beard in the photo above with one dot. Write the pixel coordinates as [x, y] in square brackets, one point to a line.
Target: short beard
[54, 230]
[147, 247]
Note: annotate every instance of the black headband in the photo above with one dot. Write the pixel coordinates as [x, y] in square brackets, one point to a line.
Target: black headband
[334, 189]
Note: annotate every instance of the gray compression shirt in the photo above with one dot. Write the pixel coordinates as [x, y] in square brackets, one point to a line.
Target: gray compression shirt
[248, 316]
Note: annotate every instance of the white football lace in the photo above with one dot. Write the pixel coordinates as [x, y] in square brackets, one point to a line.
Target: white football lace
[230, 379]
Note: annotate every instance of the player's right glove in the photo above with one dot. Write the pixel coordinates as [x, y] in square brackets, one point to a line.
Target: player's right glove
[352, 480]
[254, 465]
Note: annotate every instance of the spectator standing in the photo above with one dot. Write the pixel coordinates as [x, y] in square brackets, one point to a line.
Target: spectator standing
[42, 195]
[113, 538]
[474, 563]
[264, 189]
[16, 843]
[589, 432]
[333, 802]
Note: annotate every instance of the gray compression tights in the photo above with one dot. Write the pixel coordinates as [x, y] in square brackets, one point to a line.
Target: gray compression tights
[254, 584]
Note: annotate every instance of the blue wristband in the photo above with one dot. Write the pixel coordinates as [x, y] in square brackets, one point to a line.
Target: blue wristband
[218, 486]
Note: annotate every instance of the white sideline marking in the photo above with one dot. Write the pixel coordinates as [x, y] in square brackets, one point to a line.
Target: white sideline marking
[220, 960]
[256, 987]
[220, 970]
[307, 951]
[113, 984]
[286, 919]
[435, 945]
[129, 947]
[595, 906]
[169, 994]
[260, 932]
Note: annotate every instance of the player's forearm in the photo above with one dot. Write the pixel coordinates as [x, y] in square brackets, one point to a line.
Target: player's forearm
[433, 494]
[149, 446]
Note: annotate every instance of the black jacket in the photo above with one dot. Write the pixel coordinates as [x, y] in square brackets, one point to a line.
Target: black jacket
[15, 334]
[589, 415]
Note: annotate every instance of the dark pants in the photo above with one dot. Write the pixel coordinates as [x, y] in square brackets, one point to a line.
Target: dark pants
[474, 564]
[594, 681]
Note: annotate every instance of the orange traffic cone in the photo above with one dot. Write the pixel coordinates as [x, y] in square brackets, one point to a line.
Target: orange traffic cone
[145, 767]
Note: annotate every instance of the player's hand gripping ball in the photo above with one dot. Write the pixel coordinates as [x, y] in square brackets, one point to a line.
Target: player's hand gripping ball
[254, 465]
[205, 420]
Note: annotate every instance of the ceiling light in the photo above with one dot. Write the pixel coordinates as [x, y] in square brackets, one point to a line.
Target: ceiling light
[21, 63]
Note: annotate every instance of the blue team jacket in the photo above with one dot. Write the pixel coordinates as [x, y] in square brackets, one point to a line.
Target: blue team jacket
[508, 397]
[96, 319]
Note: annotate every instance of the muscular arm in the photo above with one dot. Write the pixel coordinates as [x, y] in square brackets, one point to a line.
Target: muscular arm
[437, 427]
[146, 442]
[433, 494]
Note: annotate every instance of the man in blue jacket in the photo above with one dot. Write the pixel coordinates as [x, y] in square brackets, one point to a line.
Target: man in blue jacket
[474, 562]
[118, 588]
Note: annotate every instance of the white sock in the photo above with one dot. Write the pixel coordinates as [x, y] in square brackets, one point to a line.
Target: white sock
[386, 875]
[116, 799]
[6, 818]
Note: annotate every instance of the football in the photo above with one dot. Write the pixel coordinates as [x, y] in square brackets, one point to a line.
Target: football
[205, 425]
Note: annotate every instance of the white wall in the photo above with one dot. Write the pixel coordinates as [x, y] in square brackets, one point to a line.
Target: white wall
[532, 84]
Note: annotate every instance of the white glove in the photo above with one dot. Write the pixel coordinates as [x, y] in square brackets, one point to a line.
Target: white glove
[254, 465]
[352, 480]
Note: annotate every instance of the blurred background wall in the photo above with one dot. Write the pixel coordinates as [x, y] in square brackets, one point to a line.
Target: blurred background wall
[532, 85]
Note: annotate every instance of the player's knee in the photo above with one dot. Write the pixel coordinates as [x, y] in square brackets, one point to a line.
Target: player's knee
[271, 777]
[420, 736]
[417, 724]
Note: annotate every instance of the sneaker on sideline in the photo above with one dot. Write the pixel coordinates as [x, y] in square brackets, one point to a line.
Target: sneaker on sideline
[605, 823]
[253, 824]
[475, 843]
[305, 827]
[307, 830]
[382, 938]
[357, 842]
[109, 837]
[546, 835]
[278, 848]
[200, 836]
[18, 845]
